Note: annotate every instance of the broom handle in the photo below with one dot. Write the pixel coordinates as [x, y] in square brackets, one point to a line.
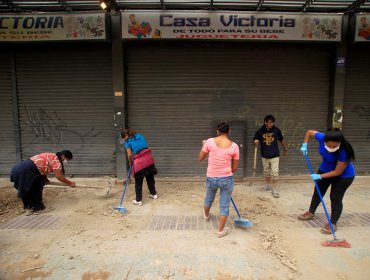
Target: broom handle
[255, 158]
[322, 200]
[236, 208]
[126, 183]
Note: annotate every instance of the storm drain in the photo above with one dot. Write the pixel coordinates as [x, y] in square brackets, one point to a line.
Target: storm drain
[32, 222]
[184, 223]
[346, 220]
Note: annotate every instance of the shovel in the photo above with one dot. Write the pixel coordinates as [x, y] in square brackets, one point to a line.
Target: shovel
[241, 222]
[120, 208]
[254, 165]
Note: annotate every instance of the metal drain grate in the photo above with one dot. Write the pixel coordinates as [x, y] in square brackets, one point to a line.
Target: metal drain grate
[32, 222]
[183, 223]
[346, 220]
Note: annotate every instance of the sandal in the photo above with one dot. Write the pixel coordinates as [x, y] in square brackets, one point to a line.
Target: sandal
[206, 218]
[326, 229]
[225, 232]
[306, 216]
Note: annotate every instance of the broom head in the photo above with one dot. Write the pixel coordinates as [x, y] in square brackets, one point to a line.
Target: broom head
[336, 243]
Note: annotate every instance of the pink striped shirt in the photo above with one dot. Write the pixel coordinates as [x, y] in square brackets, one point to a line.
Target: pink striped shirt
[46, 162]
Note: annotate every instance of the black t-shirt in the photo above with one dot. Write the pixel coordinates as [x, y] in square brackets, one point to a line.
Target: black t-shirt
[269, 141]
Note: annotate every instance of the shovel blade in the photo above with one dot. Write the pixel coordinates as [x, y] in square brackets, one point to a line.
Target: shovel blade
[244, 223]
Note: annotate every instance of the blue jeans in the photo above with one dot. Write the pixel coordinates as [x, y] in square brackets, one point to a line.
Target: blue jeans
[226, 186]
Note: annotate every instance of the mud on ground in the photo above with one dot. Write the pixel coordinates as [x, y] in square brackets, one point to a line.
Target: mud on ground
[92, 240]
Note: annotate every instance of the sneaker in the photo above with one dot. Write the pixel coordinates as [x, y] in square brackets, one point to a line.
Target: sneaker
[29, 212]
[138, 203]
[225, 232]
[306, 216]
[275, 194]
[153, 196]
[43, 211]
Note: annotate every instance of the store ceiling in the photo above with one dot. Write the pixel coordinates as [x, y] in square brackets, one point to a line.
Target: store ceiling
[311, 6]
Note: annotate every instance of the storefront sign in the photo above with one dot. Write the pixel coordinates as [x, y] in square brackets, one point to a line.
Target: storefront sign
[340, 61]
[230, 26]
[50, 27]
[362, 33]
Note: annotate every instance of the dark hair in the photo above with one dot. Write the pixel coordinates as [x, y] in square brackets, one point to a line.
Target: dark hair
[269, 118]
[335, 135]
[128, 131]
[67, 154]
[223, 128]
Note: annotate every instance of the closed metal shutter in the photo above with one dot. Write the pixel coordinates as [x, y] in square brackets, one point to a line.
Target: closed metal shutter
[66, 102]
[176, 93]
[356, 111]
[7, 143]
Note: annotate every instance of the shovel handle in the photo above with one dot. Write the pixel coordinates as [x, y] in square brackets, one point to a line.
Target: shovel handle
[255, 157]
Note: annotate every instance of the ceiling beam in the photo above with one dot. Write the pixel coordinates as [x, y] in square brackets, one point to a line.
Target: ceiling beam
[355, 6]
[259, 5]
[307, 5]
[10, 4]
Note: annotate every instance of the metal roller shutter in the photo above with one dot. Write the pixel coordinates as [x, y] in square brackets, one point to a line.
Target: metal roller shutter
[7, 143]
[65, 101]
[356, 111]
[176, 93]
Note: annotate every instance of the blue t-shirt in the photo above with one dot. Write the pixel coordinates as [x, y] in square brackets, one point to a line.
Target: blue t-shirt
[136, 143]
[330, 160]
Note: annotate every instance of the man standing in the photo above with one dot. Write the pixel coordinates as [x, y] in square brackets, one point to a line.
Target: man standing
[268, 136]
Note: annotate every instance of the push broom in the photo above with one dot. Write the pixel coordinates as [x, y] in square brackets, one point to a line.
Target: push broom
[241, 222]
[330, 243]
[120, 208]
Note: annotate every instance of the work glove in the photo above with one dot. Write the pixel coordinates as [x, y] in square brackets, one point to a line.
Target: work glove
[304, 148]
[315, 177]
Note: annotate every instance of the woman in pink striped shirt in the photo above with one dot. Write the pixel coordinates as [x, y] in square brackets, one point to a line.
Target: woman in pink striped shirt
[30, 176]
[223, 159]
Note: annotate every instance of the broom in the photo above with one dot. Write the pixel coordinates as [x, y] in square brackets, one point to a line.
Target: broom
[330, 243]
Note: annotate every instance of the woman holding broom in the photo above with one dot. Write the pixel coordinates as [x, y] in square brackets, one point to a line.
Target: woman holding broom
[336, 169]
[141, 157]
[223, 159]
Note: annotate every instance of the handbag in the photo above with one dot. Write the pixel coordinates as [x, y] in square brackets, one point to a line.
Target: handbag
[142, 160]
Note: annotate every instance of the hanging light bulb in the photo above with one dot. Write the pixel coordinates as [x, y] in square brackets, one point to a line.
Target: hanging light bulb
[103, 5]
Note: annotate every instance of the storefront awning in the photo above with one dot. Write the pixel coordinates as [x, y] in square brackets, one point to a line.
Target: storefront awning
[310, 6]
